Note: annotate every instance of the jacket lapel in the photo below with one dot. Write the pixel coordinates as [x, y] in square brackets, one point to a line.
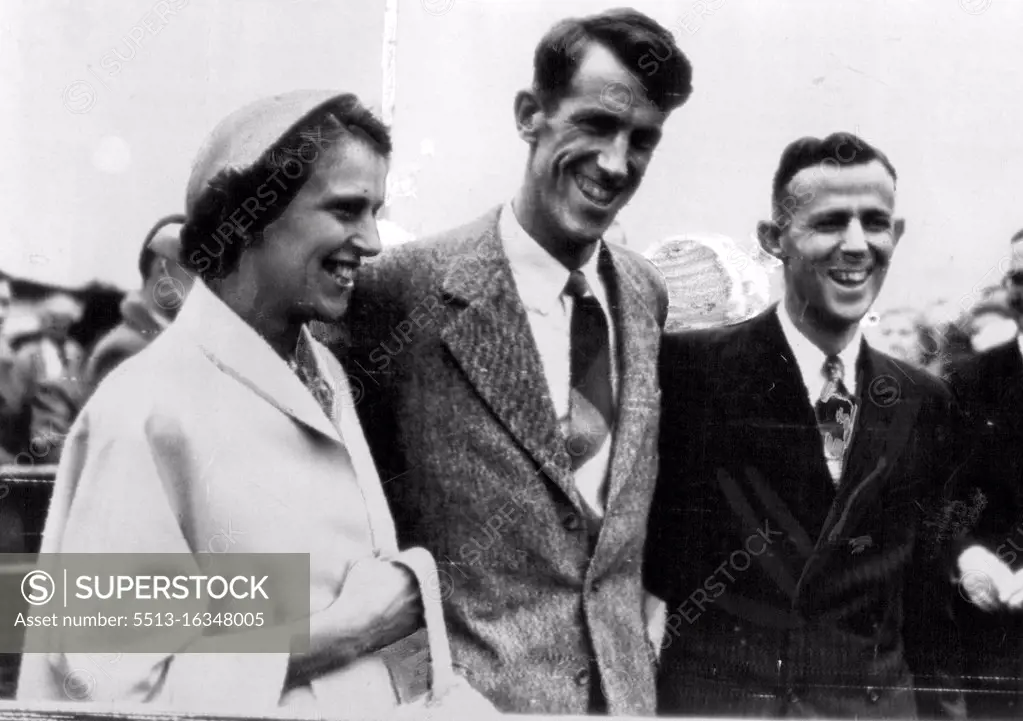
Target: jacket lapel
[638, 339]
[888, 408]
[237, 350]
[490, 338]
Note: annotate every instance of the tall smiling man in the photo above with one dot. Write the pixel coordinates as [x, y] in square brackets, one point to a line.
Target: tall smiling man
[795, 533]
[511, 386]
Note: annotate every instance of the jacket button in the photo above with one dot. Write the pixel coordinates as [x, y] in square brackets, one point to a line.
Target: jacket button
[595, 587]
[572, 522]
[793, 696]
[873, 695]
[582, 677]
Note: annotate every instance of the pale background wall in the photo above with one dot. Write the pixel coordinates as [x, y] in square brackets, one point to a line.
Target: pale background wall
[933, 82]
[933, 85]
[89, 168]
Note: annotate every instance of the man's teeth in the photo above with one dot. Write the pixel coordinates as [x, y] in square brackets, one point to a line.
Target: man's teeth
[343, 273]
[850, 276]
[594, 190]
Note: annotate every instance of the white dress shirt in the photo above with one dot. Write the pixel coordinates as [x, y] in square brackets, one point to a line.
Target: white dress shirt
[540, 280]
[810, 361]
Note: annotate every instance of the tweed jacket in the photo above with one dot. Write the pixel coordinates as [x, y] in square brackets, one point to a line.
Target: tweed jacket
[788, 596]
[227, 453]
[543, 617]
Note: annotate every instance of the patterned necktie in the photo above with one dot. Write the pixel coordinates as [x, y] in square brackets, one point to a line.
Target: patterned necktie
[590, 409]
[304, 366]
[836, 416]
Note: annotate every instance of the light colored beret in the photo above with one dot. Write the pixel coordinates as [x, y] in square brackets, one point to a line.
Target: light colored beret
[244, 136]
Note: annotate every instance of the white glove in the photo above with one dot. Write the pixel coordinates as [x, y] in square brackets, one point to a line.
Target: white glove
[987, 581]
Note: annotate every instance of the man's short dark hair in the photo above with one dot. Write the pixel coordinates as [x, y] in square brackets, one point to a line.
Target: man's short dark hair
[147, 255]
[838, 150]
[640, 43]
[273, 181]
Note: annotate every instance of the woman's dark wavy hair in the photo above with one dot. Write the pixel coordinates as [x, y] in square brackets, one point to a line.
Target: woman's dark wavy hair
[212, 242]
[640, 43]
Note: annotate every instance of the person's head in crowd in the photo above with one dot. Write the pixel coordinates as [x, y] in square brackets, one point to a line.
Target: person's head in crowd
[58, 313]
[603, 86]
[899, 333]
[165, 283]
[990, 325]
[6, 296]
[834, 229]
[282, 207]
[1014, 276]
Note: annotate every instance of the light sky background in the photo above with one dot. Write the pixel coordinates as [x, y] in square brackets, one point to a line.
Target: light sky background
[934, 83]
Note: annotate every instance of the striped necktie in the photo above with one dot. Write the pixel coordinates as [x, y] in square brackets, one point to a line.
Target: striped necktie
[590, 410]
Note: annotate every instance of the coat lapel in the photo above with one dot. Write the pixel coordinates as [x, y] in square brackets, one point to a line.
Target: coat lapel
[888, 410]
[490, 338]
[638, 339]
[237, 350]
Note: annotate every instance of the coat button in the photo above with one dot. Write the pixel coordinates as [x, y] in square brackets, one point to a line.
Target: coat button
[873, 695]
[572, 522]
[582, 677]
[792, 695]
[595, 587]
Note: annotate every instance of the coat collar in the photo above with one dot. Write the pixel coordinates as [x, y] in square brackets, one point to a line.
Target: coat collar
[489, 335]
[238, 350]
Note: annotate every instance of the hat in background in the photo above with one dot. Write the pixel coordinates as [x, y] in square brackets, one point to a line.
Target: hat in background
[242, 138]
[164, 238]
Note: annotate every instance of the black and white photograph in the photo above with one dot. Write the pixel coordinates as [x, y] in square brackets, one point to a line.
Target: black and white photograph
[383, 359]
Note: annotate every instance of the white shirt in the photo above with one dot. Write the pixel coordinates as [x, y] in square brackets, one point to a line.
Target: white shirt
[810, 361]
[540, 280]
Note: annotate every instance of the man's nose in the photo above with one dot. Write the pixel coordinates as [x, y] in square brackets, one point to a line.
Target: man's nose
[854, 240]
[614, 157]
[367, 240]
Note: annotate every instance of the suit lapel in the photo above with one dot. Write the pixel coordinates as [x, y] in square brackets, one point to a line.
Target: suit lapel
[490, 338]
[888, 410]
[638, 338]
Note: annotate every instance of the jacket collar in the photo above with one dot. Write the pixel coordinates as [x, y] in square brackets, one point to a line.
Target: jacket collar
[238, 350]
[489, 336]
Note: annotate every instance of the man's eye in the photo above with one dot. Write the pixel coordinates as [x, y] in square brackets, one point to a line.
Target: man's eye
[598, 126]
[829, 226]
[347, 212]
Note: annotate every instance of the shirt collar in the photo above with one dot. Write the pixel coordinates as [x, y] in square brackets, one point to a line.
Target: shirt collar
[539, 276]
[810, 359]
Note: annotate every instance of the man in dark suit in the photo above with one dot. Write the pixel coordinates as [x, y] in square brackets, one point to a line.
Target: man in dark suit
[990, 611]
[510, 377]
[796, 533]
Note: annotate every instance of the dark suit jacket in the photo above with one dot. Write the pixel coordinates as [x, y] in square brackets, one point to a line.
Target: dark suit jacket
[787, 598]
[543, 617]
[990, 387]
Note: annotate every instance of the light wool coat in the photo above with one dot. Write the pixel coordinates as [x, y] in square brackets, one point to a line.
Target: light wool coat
[207, 442]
